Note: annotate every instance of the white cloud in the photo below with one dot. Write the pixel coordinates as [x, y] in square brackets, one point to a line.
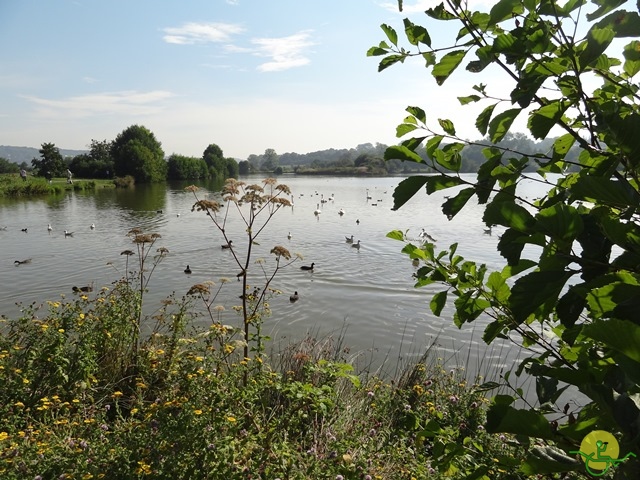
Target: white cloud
[194, 33]
[285, 52]
[233, 2]
[419, 6]
[120, 103]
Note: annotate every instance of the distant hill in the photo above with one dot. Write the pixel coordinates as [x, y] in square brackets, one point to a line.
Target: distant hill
[26, 154]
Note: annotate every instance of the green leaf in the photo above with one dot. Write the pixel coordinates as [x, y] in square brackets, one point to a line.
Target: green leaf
[386, 62]
[396, 235]
[404, 128]
[632, 58]
[598, 39]
[447, 64]
[406, 189]
[604, 8]
[545, 118]
[440, 13]
[376, 52]
[390, 33]
[560, 222]
[506, 419]
[503, 10]
[536, 290]
[603, 191]
[508, 214]
[400, 152]
[482, 121]
[418, 113]
[501, 123]
[438, 301]
[432, 145]
[468, 99]
[416, 33]
[621, 335]
[546, 460]
[441, 182]
[453, 205]
[562, 145]
[447, 126]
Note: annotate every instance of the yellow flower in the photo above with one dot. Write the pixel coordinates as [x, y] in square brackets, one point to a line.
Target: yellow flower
[19, 404]
[197, 412]
[75, 400]
[231, 419]
[117, 394]
[3, 436]
[25, 381]
[82, 316]
[134, 411]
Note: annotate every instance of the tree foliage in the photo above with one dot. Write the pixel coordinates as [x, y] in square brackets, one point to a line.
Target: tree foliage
[186, 168]
[136, 152]
[50, 164]
[95, 164]
[219, 166]
[7, 166]
[574, 299]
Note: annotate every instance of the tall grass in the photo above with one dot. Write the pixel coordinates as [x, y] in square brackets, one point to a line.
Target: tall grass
[13, 186]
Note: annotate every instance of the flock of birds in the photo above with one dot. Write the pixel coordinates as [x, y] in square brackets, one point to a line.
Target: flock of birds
[67, 233]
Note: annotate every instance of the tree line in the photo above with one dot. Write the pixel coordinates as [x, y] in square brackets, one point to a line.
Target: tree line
[136, 153]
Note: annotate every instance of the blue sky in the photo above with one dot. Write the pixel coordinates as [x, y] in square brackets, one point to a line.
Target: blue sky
[247, 75]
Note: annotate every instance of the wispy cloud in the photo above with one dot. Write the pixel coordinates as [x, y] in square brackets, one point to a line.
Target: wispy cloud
[196, 33]
[233, 2]
[125, 102]
[285, 52]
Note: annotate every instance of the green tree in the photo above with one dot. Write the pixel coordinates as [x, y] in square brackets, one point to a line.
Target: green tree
[95, 164]
[574, 298]
[50, 164]
[270, 160]
[136, 152]
[244, 167]
[7, 166]
[184, 168]
[232, 168]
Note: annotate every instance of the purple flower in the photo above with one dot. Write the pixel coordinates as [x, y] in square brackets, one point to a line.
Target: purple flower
[370, 393]
[367, 477]
[372, 432]
[428, 383]
[339, 477]
[453, 399]
[104, 427]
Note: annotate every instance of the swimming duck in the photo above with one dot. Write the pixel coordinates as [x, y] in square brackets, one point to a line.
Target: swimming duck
[307, 267]
[87, 288]
[294, 297]
[341, 212]
[356, 245]
[317, 211]
[358, 221]
[187, 270]
[228, 245]
[93, 226]
[21, 262]
[349, 239]
[49, 227]
[68, 234]
[289, 236]
[24, 230]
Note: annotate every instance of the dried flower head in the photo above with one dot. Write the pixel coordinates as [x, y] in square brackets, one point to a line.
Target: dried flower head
[192, 188]
[206, 206]
[127, 252]
[280, 251]
[163, 250]
[145, 238]
[283, 188]
[199, 289]
[134, 231]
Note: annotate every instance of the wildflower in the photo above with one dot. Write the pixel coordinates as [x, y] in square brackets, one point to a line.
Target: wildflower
[453, 399]
[339, 477]
[502, 438]
[280, 251]
[197, 412]
[231, 419]
[473, 405]
[372, 432]
[480, 427]
[407, 407]
[428, 383]
[104, 427]
[117, 394]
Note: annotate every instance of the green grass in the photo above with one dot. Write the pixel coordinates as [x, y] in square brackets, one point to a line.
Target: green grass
[11, 185]
[78, 401]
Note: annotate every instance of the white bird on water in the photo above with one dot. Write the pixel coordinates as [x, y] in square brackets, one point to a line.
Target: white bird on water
[356, 245]
[289, 236]
[49, 227]
[68, 234]
[341, 212]
[93, 226]
[317, 210]
[349, 239]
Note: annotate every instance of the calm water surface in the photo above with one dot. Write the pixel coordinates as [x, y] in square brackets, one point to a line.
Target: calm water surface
[367, 293]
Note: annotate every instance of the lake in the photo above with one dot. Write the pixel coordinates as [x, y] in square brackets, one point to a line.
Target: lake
[366, 294]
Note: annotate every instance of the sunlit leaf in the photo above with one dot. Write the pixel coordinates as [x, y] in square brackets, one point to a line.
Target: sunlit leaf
[505, 9]
[545, 118]
[501, 123]
[441, 182]
[416, 34]
[453, 205]
[560, 222]
[396, 235]
[482, 121]
[390, 33]
[400, 152]
[604, 8]
[468, 99]
[389, 60]
[621, 335]
[598, 39]
[508, 214]
[438, 301]
[404, 128]
[447, 126]
[535, 290]
[406, 189]
[447, 64]
[418, 113]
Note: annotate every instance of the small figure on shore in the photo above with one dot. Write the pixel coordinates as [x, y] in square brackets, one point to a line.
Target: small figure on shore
[69, 175]
[23, 174]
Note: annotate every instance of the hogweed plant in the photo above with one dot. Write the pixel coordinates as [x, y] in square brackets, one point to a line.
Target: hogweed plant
[255, 205]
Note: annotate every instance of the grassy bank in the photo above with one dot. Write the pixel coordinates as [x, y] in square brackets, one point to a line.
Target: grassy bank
[11, 185]
[78, 400]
